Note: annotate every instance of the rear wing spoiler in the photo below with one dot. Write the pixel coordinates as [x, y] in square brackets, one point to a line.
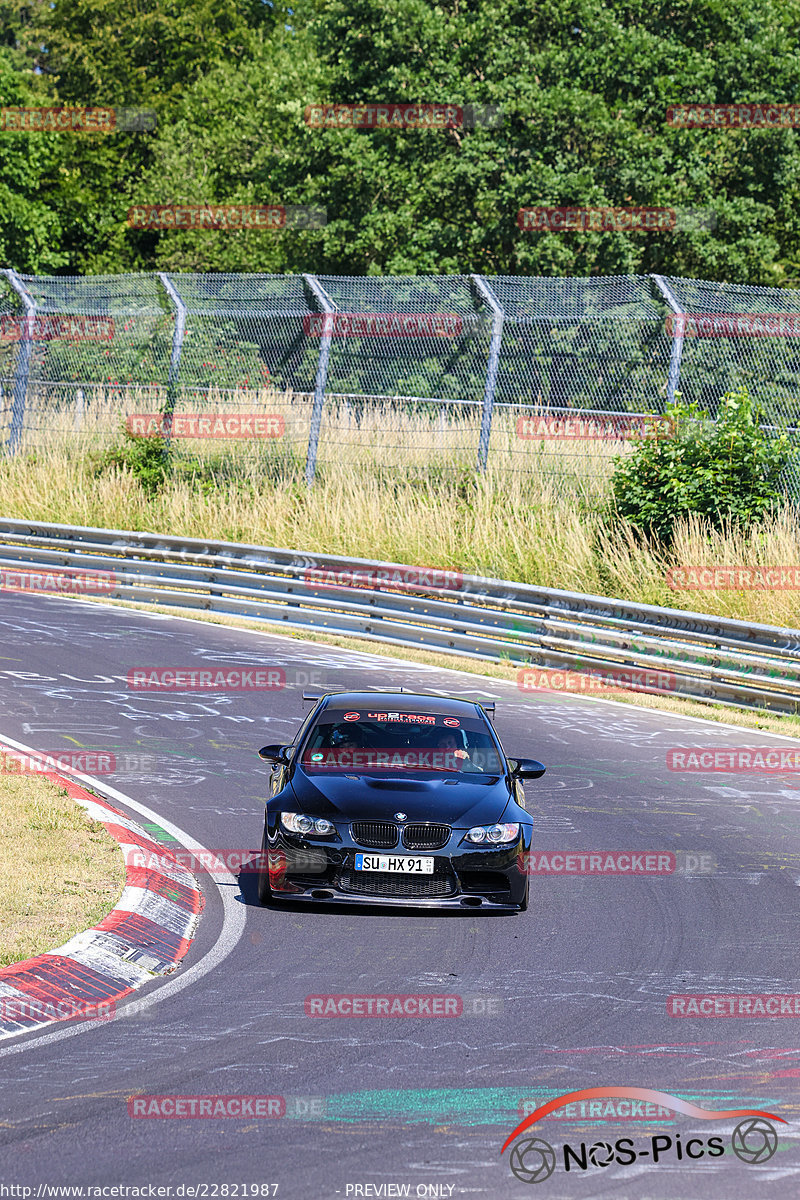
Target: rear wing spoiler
[312, 698]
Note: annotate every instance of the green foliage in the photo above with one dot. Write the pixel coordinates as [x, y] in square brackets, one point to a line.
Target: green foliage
[579, 128]
[101, 52]
[583, 87]
[145, 457]
[31, 232]
[728, 470]
[207, 475]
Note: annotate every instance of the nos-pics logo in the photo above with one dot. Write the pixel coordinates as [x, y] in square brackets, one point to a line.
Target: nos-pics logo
[533, 1160]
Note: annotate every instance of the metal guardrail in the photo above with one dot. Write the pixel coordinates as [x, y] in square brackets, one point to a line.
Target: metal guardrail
[708, 658]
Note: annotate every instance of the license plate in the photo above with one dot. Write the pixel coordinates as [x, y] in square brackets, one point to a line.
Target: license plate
[394, 862]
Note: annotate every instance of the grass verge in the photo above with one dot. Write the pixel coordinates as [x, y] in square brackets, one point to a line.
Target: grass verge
[60, 872]
[543, 524]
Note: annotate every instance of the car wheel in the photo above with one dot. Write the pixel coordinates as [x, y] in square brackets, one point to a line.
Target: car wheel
[264, 890]
[524, 906]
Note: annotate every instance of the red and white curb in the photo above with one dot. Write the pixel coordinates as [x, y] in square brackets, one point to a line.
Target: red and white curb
[146, 935]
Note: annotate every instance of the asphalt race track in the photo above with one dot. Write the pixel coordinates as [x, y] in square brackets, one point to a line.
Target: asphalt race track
[570, 995]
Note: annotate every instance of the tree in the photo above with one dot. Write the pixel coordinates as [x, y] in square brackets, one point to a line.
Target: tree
[31, 231]
[583, 88]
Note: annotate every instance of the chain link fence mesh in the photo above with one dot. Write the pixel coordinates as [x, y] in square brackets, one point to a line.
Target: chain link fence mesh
[405, 373]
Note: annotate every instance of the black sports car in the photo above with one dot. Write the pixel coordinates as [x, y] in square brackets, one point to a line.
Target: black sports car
[396, 798]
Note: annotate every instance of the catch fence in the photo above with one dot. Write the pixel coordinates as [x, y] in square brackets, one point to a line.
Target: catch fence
[457, 371]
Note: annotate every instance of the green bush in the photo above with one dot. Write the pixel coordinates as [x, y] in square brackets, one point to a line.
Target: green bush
[153, 465]
[726, 470]
[144, 457]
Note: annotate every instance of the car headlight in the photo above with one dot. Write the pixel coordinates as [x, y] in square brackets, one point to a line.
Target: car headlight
[300, 823]
[494, 834]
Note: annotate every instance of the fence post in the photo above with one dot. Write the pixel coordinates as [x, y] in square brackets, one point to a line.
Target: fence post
[175, 357]
[23, 368]
[677, 336]
[486, 293]
[328, 307]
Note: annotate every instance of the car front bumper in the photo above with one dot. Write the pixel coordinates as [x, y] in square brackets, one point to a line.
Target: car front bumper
[463, 877]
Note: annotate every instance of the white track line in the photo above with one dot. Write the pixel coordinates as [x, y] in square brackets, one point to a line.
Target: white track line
[234, 916]
[276, 635]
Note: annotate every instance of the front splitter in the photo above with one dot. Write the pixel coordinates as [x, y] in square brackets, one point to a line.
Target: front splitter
[466, 903]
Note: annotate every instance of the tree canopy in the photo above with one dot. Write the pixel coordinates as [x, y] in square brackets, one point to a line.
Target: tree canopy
[582, 88]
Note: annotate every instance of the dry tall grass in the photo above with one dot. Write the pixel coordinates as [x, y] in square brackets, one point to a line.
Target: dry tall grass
[400, 486]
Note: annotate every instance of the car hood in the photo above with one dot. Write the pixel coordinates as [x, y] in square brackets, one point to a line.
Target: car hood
[465, 802]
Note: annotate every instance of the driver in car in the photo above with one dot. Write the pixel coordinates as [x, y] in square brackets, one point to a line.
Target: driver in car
[347, 740]
[448, 743]
[345, 736]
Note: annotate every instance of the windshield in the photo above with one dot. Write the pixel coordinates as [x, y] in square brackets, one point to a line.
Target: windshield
[379, 740]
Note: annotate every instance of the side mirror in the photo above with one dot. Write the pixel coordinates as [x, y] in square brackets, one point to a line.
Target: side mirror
[527, 768]
[273, 754]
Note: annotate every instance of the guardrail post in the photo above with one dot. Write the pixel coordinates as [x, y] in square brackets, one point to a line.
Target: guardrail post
[328, 307]
[23, 368]
[487, 412]
[677, 336]
[175, 357]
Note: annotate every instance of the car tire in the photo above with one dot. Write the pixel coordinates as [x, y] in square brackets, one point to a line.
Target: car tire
[264, 889]
[524, 905]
